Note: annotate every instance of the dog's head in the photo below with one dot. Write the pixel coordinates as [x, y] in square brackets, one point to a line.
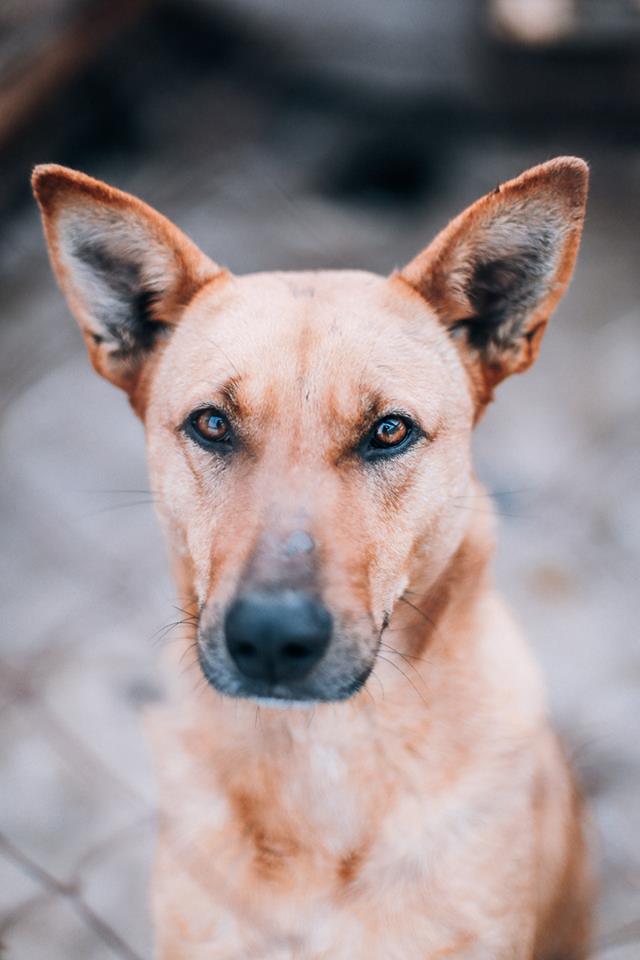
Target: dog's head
[308, 433]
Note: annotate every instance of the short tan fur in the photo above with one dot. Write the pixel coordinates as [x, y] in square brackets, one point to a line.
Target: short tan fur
[420, 806]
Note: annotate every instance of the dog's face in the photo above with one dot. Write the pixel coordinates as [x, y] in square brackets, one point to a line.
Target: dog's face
[309, 433]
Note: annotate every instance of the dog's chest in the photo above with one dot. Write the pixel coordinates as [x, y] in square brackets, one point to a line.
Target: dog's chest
[333, 858]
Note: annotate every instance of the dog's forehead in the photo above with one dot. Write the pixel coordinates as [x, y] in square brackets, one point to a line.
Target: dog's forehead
[339, 305]
[338, 333]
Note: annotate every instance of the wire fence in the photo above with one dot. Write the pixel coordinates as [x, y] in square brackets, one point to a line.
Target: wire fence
[21, 691]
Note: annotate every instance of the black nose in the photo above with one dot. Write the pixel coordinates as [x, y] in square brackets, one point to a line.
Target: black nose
[277, 636]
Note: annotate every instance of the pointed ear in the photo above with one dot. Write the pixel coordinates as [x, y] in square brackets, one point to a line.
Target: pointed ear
[496, 273]
[126, 271]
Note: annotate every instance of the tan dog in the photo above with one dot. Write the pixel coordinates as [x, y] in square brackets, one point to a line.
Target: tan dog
[309, 438]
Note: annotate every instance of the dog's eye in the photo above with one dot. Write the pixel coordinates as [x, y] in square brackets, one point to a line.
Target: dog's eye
[209, 428]
[388, 436]
[389, 432]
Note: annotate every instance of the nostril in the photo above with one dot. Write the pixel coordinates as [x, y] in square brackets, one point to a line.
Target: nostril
[244, 649]
[295, 651]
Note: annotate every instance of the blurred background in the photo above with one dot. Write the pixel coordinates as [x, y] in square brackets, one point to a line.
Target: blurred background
[298, 134]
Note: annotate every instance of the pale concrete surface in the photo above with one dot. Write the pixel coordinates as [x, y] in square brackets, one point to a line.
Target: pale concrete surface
[84, 579]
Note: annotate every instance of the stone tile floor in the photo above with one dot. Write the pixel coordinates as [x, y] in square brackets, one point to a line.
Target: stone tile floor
[84, 581]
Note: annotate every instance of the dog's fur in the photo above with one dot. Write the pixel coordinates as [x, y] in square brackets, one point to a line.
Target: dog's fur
[430, 814]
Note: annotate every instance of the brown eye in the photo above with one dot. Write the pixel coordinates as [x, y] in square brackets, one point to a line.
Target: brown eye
[390, 432]
[209, 427]
[389, 436]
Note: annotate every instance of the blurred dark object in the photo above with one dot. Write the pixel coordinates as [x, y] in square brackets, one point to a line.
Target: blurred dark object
[383, 169]
[395, 87]
[36, 62]
[575, 61]
[51, 88]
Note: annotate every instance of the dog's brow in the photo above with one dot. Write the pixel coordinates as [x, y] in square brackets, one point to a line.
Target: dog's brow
[372, 406]
[229, 394]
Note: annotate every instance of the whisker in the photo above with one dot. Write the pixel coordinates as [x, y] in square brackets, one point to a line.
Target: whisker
[188, 613]
[118, 506]
[258, 718]
[366, 690]
[392, 651]
[407, 657]
[161, 633]
[377, 678]
[425, 616]
[493, 494]
[494, 511]
[192, 648]
[182, 639]
[187, 328]
[402, 673]
[117, 490]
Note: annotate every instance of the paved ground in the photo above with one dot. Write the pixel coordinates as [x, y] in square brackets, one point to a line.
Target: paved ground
[84, 577]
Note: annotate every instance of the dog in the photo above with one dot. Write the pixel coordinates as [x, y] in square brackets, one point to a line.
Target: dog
[308, 441]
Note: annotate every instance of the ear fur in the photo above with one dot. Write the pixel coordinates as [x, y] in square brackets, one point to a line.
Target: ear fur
[127, 272]
[496, 273]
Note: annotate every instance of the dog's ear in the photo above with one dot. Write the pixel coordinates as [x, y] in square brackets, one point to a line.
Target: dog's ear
[495, 274]
[126, 271]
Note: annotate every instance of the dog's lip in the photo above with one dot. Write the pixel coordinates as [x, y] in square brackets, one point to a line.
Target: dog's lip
[232, 684]
[282, 702]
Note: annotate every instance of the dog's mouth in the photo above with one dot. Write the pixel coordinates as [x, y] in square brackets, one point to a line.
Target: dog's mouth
[338, 677]
[284, 646]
